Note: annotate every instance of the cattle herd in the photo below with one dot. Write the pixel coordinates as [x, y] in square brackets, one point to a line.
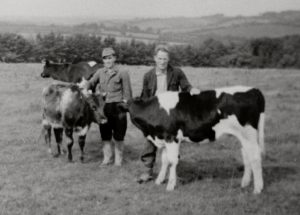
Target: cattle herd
[166, 119]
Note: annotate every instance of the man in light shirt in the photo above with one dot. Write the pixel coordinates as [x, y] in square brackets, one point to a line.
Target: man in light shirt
[114, 84]
[163, 77]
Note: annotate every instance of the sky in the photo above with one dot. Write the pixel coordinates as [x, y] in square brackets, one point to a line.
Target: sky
[141, 8]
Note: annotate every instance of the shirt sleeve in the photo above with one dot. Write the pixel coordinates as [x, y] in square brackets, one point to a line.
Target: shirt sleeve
[94, 81]
[127, 91]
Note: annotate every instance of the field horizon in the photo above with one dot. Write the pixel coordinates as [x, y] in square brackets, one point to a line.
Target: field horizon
[33, 182]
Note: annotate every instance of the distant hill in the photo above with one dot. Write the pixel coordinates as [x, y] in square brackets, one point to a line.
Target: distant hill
[176, 29]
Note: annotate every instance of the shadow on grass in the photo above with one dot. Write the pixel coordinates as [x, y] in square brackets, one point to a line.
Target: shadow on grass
[226, 169]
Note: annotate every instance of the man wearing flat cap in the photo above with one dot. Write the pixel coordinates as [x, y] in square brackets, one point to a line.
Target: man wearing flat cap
[163, 77]
[114, 84]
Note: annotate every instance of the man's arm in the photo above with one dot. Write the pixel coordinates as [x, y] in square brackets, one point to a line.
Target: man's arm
[144, 93]
[185, 85]
[127, 91]
[92, 83]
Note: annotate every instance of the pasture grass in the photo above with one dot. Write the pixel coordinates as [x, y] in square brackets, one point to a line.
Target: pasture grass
[33, 182]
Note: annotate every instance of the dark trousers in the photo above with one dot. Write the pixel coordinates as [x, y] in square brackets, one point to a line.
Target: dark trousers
[116, 125]
[149, 154]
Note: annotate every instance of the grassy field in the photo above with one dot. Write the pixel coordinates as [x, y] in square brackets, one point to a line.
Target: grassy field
[33, 182]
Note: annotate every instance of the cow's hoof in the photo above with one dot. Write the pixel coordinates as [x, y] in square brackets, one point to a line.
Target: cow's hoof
[56, 155]
[257, 190]
[170, 186]
[105, 163]
[82, 159]
[118, 163]
[159, 181]
[245, 183]
[145, 177]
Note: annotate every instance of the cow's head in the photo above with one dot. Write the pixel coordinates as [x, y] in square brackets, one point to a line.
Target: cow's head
[96, 103]
[46, 72]
[53, 69]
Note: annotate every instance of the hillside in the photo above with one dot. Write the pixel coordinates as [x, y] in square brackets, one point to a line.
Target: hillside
[175, 29]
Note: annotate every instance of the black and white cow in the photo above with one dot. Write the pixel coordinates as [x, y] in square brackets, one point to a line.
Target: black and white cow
[69, 108]
[170, 117]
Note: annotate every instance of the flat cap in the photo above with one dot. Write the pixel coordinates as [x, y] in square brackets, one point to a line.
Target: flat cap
[107, 52]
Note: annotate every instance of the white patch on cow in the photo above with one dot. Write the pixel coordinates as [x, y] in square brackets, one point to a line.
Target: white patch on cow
[181, 138]
[159, 143]
[66, 99]
[195, 91]
[82, 131]
[232, 90]
[229, 125]
[168, 100]
[219, 111]
[92, 63]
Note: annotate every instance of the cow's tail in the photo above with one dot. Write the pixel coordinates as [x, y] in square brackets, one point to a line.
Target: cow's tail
[261, 133]
[42, 133]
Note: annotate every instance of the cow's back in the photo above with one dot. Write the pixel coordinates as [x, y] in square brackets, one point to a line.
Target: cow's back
[80, 70]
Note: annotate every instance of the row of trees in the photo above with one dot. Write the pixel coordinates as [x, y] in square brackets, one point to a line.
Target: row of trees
[262, 52]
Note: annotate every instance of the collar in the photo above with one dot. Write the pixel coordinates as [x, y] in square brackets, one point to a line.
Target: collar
[113, 70]
[159, 73]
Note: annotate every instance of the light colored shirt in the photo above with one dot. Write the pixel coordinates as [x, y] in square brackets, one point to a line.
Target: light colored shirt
[114, 84]
[161, 82]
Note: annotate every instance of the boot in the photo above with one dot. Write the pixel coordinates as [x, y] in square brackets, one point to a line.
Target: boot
[119, 148]
[107, 153]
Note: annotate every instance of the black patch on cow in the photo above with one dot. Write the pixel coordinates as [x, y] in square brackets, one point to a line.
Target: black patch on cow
[246, 106]
[195, 115]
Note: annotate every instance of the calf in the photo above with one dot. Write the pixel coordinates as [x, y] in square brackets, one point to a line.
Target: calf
[66, 108]
[73, 73]
[170, 117]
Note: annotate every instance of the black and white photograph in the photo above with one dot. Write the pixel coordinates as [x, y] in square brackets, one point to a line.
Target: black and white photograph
[162, 107]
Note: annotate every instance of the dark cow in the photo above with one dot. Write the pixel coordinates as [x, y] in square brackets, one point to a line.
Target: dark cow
[169, 118]
[67, 108]
[73, 73]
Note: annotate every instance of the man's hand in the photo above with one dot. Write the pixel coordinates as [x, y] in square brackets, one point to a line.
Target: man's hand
[194, 91]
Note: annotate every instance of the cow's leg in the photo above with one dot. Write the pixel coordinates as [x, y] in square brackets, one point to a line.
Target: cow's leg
[253, 151]
[119, 147]
[47, 136]
[70, 141]
[164, 166]
[247, 169]
[107, 152]
[172, 155]
[58, 132]
[81, 142]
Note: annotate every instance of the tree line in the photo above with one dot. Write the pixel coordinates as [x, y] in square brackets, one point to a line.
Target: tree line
[283, 52]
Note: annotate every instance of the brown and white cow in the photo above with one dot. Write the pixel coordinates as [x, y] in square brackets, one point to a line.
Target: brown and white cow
[169, 118]
[66, 108]
[72, 73]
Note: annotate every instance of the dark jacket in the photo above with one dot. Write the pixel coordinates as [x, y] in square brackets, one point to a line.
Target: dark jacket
[176, 80]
